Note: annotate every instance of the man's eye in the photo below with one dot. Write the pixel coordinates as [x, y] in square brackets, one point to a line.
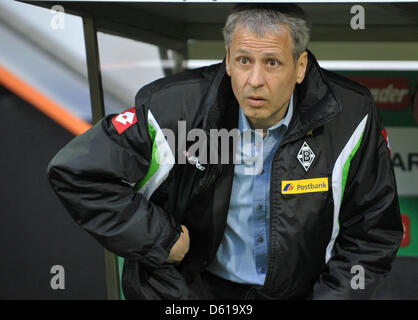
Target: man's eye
[243, 60]
[272, 62]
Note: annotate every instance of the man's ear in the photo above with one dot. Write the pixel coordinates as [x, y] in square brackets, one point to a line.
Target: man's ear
[301, 65]
[228, 67]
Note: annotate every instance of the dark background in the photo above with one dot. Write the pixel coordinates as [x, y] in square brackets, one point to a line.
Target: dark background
[36, 233]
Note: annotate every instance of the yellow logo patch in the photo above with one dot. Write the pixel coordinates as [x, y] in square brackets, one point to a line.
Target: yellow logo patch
[304, 186]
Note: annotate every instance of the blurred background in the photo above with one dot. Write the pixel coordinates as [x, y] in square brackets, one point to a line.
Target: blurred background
[45, 101]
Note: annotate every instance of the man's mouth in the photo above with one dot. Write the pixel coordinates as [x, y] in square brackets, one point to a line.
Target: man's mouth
[256, 101]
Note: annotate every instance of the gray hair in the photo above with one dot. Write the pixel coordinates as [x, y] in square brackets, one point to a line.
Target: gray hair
[270, 17]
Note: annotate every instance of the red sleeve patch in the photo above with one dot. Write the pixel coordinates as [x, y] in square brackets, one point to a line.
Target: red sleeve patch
[406, 230]
[125, 120]
[385, 135]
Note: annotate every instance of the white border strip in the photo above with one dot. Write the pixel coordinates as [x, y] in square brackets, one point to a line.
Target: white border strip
[369, 65]
[365, 65]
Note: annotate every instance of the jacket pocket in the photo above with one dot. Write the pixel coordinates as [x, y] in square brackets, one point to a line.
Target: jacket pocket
[162, 283]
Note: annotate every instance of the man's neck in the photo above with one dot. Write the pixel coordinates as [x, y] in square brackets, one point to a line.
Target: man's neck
[265, 124]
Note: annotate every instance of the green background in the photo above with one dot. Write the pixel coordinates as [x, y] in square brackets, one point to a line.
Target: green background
[409, 206]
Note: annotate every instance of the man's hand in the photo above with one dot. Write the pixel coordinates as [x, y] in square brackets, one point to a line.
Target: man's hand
[180, 248]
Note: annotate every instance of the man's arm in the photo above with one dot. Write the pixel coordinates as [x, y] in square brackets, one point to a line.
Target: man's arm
[94, 177]
[370, 222]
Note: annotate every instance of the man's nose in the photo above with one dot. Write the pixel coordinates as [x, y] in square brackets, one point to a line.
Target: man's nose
[256, 76]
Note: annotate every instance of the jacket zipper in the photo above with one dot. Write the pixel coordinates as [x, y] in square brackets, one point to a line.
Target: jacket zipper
[283, 143]
[269, 253]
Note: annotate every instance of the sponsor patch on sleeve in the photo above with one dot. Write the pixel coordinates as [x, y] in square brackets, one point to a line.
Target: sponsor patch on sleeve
[124, 120]
[304, 185]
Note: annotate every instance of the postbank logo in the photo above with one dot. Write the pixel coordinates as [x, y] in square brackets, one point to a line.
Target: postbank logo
[304, 186]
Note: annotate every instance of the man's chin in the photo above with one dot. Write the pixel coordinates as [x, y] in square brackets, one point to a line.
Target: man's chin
[254, 111]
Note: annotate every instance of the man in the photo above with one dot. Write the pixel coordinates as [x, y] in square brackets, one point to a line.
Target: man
[323, 204]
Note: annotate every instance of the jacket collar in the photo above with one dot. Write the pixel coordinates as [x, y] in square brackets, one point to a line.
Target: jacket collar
[314, 100]
[316, 103]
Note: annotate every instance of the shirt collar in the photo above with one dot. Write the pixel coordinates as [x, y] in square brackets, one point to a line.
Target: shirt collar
[244, 125]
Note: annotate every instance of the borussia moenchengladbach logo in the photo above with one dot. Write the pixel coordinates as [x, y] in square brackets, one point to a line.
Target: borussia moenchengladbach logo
[306, 156]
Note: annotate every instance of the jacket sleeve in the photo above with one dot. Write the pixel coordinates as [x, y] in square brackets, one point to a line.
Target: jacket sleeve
[369, 221]
[94, 177]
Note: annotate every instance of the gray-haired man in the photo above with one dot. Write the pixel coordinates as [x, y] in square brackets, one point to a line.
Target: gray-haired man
[324, 202]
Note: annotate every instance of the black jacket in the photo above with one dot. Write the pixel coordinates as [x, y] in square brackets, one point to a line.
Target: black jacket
[116, 186]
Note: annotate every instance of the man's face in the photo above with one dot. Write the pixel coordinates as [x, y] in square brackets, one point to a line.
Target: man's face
[263, 74]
